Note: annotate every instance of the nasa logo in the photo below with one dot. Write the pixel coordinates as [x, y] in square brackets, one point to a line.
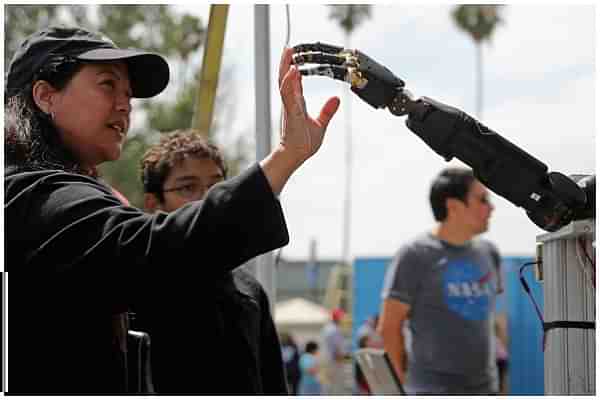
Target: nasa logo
[467, 289]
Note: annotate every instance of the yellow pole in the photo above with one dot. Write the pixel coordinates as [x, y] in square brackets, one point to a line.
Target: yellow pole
[211, 65]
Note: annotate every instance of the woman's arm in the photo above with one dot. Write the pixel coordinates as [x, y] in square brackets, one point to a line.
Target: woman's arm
[65, 222]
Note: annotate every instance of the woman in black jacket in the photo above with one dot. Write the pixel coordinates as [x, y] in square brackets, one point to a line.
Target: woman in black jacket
[75, 252]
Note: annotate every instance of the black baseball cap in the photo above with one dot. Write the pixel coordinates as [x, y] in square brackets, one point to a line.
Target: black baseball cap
[148, 72]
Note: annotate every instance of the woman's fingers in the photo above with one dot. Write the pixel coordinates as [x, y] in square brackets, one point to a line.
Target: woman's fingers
[285, 63]
[328, 111]
[291, 94]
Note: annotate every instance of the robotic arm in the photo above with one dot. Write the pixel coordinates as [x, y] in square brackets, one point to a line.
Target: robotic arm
[551, 199]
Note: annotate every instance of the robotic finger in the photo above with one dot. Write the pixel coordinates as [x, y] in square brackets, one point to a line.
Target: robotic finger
[318, 57]
[331, 71]
[330, 61]
[371, 81]
[322, 47]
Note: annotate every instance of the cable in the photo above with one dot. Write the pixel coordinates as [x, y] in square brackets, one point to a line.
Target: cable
[528, 291]
[584, 248]
[589, 271]
[546, 326]
[592, 262]
[285, 46]
[288, 25]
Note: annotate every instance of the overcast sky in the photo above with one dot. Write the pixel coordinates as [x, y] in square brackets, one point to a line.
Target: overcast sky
[539, 93]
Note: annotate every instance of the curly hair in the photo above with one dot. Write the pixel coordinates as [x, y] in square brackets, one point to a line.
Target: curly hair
[31, 141]
[174, 147]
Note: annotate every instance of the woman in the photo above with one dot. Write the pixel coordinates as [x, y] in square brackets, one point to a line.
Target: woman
[77, 254]
[309, 383]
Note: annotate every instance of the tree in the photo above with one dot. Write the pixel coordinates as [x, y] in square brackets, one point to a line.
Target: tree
[479, 21]
[348, 17]
[23, 20]
[154, 28]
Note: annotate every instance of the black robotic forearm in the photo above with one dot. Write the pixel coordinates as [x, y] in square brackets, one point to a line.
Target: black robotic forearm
[552, 200]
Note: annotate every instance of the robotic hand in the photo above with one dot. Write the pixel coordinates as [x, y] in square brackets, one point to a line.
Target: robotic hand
[551, 199]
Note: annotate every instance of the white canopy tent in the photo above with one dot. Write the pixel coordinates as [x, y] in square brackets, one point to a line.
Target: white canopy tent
[301, 318]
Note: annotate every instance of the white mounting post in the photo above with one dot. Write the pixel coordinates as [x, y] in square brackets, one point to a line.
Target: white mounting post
[570, 356]
[265, 264]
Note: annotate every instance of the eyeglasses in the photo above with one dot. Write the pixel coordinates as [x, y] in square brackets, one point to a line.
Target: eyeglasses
[190, 191]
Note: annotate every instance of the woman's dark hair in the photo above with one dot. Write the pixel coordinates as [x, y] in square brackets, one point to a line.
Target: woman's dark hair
[311, 347]
[31, 141]
[173, 148]
[451, 183]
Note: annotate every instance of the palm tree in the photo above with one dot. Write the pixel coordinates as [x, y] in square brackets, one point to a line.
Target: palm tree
[349, 17]
[479, 21]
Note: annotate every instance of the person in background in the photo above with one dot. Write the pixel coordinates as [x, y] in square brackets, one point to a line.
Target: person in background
[502, 355]
[291, 361]
[445, 282]
[334, 354]
[309, 369]
[369, 330]
[231, 313]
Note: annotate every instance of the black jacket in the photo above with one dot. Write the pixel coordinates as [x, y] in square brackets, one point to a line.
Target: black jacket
[76, 257]
[213, 337]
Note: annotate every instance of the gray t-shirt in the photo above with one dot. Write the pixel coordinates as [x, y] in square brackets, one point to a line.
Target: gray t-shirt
[451, 290]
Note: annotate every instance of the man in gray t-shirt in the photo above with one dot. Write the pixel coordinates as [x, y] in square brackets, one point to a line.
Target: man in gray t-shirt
[445, 282]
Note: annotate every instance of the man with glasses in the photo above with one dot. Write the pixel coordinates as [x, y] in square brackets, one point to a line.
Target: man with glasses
[233, 345]
[445, 283]
[180, 169]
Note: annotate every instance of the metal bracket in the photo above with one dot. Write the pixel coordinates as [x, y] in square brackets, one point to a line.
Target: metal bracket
[539, 267]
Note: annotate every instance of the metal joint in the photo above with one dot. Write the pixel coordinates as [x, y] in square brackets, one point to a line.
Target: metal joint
[402, 103]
